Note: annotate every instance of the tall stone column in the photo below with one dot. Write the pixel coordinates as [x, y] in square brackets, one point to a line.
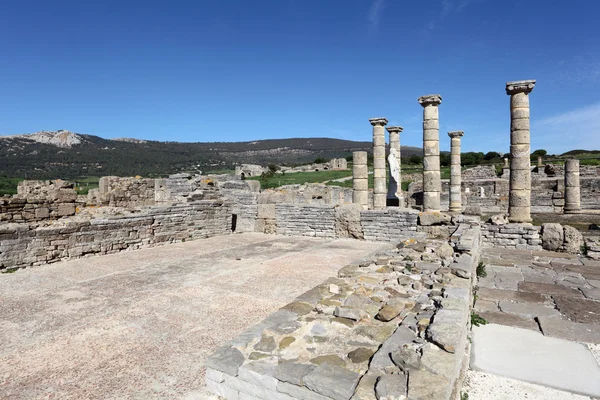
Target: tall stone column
[455, 177]
[394, 132]
[519, 194]
[572, 188]
[432, 183]
[360, 179]
[379, 172]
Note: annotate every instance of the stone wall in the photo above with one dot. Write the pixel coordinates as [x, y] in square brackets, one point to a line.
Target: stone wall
[127, 192]
[317, 194]
[480, 172]
[38, 201]
[390, 224]
[244, 203]
[23, 245]
[305, 220]
[511, 236]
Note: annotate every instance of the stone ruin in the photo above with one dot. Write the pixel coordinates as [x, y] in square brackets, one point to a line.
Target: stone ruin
[411, 330]
[248, 170]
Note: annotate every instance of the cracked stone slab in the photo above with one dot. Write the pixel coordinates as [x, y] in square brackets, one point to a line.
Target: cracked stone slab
[528, 310]
[549, 289]
[226, 359]
[510, 320]
[531, 357]
[563, 328]
[499, 294]
[579, 310]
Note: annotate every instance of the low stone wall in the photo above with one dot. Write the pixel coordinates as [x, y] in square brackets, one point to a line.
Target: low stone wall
[390, 224]
[305, 220]
[511, 236]
[23, 245]
[393, 326]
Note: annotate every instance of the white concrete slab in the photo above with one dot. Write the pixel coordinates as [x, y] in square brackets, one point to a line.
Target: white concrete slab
[532, 357]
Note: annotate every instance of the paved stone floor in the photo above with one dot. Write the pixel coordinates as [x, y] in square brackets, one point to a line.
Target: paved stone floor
[555, 293]
[554, 296]
[139, 324]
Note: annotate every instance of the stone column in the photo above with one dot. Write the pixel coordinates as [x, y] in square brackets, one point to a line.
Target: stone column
[455, 177]
[432, 183]
[394, 132]
[379, 172]
[572, 189]
[519, 194]
[360, 179]
[540, 162]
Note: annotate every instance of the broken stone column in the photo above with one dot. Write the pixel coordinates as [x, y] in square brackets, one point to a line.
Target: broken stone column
[540, 162]
[455, 177]
[519, 197]
[572, 189]
[360, 179]
[396, 191]
[432, 183]
[379, 172]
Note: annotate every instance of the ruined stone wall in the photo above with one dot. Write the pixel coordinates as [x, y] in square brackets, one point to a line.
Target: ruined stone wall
[243, 196]
[305, 220]
[511, 236]
[23, 245]
[38, 201]
[128, 192]
[479, 172]
[317, 194]
[387, 225]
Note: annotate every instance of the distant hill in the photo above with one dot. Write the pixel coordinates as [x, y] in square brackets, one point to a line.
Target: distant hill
[64, 154]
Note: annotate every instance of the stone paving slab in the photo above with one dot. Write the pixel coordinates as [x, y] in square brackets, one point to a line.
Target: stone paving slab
[529, 356]
[140, 324]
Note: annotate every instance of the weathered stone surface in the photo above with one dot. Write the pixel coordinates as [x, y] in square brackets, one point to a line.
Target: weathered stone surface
[391, 387]
[266, 344]
[528, 310]
[573, 240]
[425, 385]
[388, 313]
[521, 296]
[361, 354]
[565, 329]
[578, 310]
[330, 359]
[299, 307]
[552, 236]
[226, 359]
[501, 318]
[444, 251]
[293, 372]
[434, 218]
[333, 381]
[406, 357]
[548, 289]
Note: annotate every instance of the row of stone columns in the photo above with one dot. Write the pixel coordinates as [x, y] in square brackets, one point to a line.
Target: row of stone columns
[519, 208]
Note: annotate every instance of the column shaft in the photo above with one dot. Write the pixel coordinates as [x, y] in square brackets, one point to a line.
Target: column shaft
[572, 188]
[379, 172]
[431, 153]
[455, 172]
[519, 197]
[360, 179]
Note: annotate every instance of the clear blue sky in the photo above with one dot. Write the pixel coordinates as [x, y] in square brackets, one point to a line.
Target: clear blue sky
[232, 70]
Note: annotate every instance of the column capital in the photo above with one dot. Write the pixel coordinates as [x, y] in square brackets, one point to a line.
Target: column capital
[391, 129]
[430, 99]
[520, 86]
[456, 134]
[378, 121]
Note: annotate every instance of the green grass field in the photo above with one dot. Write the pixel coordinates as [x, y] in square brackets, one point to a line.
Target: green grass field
[299, 178]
